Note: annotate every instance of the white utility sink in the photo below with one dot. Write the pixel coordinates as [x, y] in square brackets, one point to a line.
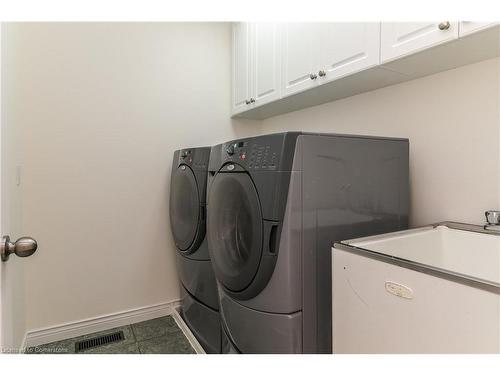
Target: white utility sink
[434, 289]
[471, 254]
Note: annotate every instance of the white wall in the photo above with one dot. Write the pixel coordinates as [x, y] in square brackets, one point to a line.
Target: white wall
[452, 122]
[101, 108]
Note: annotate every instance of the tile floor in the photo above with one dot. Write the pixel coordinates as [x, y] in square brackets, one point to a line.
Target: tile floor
[156, 336]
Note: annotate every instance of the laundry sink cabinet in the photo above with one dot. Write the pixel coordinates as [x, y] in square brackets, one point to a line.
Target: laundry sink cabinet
[429, 290]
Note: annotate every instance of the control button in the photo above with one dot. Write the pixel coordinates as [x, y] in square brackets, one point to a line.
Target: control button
[230, 167]
[183, 167]
[184, 154]
[243, 156]
[230, 150]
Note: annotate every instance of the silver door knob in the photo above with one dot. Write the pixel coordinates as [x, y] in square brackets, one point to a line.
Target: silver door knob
[444, 25]
[252, 100]
[313, 76]
[322, 73]
[23, 247]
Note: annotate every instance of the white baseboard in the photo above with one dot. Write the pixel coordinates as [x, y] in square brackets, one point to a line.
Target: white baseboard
[101, 323]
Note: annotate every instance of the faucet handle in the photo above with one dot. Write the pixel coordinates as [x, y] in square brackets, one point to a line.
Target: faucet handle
[492, 217]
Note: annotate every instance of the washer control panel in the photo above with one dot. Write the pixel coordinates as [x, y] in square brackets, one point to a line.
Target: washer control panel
[194, 157]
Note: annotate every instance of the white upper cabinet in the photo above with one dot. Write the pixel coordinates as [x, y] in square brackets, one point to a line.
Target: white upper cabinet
[282, 67]
[403, 38]
[241, 84]
[265, 66]
[299, 57]
[316, 53]
[347, 47]
[469, 27]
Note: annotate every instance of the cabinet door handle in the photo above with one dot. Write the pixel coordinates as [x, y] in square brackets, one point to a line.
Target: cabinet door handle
[444, 25]
[322, 73]
[313, 76]
[247, 102]
[252, 100]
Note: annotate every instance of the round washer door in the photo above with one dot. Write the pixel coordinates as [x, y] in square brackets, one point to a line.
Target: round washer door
[184, 207]
[234, 230]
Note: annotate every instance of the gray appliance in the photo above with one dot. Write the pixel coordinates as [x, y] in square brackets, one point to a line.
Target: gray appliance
[199, 300]
[276, 203]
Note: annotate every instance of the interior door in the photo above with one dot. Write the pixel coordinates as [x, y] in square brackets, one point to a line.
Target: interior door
[12, 303]
[348, 47]
[1, 179]
[12, 320]
[398, 39]
[299, 57]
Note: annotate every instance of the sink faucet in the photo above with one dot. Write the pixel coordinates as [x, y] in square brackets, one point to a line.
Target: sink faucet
[492, 220]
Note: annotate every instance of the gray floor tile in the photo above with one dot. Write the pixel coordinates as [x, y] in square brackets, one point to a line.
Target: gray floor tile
[168, 344]
[68, 346]
[154, 328]
[159, 336]
[57, 347]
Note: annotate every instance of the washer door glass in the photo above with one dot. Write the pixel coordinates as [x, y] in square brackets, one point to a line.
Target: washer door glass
[234, 229]
[184, 207]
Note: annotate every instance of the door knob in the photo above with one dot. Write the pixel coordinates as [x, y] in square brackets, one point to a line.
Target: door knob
[247, 102]
[252, 100]
[322, 73]
[313, 76]
[444, 25]
[23, 247]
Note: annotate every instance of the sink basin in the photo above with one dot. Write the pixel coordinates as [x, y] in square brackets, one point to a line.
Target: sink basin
[462, 250]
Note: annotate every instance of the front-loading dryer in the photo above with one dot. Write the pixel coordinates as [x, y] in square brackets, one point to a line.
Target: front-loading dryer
[276, 203]
[199, 301]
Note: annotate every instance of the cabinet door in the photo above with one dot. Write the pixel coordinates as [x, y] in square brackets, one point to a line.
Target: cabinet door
[468, 27]
[241, 67]
[403, 38]
[265, 66]
[299, 57]
[348, 47]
